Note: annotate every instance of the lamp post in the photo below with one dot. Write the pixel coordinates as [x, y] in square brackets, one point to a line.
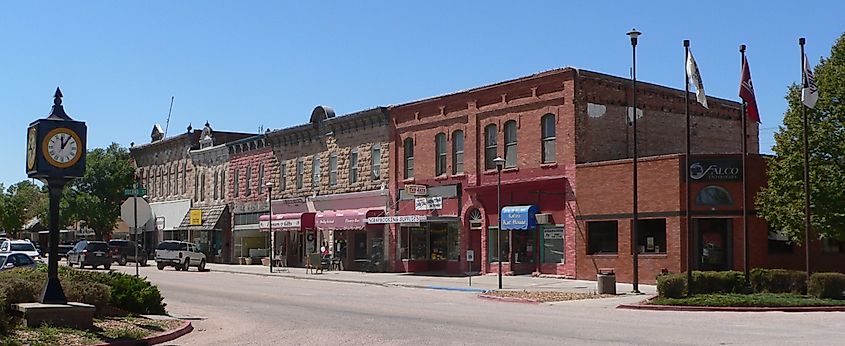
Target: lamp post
[269, 186]
[634, 34]
[500, 163]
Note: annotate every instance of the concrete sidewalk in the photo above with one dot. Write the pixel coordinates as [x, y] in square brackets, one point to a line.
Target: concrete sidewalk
[480, 283]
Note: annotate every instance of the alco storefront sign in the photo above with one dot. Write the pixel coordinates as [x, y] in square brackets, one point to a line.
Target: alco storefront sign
[416, 190]
[428, 203]
[721, 170]
[396, 219]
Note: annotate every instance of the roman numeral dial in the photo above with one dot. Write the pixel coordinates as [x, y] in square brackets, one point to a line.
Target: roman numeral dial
[62, 147]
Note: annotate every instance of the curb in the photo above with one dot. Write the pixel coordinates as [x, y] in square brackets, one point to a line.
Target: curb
[169, 335]
[439, 288]
[731, 308]
[508, 299]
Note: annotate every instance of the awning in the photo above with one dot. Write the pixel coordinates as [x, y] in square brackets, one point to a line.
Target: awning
[287, 222]
[351, 219]
[521, 217]
[204, 218]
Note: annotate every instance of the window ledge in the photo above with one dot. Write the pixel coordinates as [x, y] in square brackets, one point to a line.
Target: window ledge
[441, 177]
[510, 169]
[408, 180]
[459, 176]
[653, 255]
[605, 255]
[548, 165]
[489, 172]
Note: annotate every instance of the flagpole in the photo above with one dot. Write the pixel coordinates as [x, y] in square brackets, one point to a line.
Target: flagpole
[742, 115]
[687, 160]
[806, 164]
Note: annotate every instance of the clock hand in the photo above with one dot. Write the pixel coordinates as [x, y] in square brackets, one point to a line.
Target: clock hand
[64, 141]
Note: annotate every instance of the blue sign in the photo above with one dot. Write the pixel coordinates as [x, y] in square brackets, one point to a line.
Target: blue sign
[519, 217]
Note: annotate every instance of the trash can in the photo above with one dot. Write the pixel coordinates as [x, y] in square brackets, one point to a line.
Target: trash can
[606, 282]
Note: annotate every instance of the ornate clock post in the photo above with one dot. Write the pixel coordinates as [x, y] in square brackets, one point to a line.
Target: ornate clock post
[55, 154]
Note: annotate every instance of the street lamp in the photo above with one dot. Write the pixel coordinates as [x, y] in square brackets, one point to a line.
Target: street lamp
[500, 163]
[269, 186]
[634, 34]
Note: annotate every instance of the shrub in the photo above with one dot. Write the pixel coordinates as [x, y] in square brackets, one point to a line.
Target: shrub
[778, 281]
[672, 286]
[128, 293]
[827, 285]
[92, 293]
[718, 282]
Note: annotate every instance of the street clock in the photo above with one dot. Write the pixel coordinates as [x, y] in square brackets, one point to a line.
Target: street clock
[56, 145]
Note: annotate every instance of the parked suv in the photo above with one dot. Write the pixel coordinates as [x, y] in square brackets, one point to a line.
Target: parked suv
[23, 246]
[179, 255]
[90, 253]
[123, 251]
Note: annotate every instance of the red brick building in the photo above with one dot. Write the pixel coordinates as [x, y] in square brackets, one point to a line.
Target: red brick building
[251, 166]
[542, 126]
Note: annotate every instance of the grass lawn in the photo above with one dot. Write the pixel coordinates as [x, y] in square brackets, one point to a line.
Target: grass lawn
[106, 330]
[754, 300]
[546, 296]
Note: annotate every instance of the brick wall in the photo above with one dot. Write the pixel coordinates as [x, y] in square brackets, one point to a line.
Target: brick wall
[247, 165]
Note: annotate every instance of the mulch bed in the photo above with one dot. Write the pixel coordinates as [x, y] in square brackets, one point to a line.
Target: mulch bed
[547, 296]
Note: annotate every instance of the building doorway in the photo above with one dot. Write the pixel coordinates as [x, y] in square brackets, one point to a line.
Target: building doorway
[714, 244]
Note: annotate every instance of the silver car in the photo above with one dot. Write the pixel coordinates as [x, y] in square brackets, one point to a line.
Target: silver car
[16, 260]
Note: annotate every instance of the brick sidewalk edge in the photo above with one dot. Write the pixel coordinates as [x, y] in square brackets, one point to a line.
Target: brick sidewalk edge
[169, 335]
[731, 308]
[508, 299]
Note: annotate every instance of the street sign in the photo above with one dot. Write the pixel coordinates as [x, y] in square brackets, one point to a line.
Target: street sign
[128, 211]
[470, 256]
[135, 192]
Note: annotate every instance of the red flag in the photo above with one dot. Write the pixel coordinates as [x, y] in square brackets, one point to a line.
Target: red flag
[746, 92]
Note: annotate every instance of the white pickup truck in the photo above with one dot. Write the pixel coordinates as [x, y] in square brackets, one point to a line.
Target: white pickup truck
[179, 255]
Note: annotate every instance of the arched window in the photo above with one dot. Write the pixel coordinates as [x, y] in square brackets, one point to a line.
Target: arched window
[547, 128]
[490, 133]
[457, 152]
[409, 157]
[510, 143]
[714, 195]
[440, 154]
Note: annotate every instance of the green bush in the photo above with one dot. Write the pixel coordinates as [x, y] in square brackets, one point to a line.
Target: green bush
[827, 285]
[778, 281]
[92, 293]
[128, 293]
[718, 282]
[672, 286]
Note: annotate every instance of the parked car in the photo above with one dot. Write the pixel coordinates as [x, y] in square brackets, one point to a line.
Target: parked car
[24, 246]
[123, 251]
[63, 249]
[179, 255]
[16, 260]
[90, 253]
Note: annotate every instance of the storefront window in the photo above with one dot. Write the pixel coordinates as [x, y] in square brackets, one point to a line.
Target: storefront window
[418, 243]
[439, 241]
[505, 240]
[553, 251]
[404, 243]
[524, 246]
[454, 242]
[652, 235]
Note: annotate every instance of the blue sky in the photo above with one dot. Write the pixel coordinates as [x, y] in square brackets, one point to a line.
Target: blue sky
[245, 64]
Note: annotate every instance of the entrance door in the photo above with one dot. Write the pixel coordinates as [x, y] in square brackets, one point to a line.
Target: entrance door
[714, 244]
[475, 246]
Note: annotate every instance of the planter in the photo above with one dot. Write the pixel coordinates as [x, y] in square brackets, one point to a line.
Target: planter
[265, 261]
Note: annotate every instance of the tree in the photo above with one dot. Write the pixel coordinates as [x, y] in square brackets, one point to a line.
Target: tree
[782, 201]
[96, 197]
[20, 203]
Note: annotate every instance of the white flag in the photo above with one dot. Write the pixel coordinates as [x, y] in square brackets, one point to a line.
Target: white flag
[695, 78]
[809, 90]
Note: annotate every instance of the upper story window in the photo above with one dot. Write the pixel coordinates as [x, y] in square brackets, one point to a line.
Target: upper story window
[440, 154]
[283, 175]
[333, 170]
[353, 166]
[300, 172]
[409, 157]
[216, 185]
[315, 171]
[167, 177]
[236, 183]
[490, 149]
[202, 187]
[223, 183]
[547, 127]
[248, 181]
[457, 152]
[260, 187]
[375, 158]
[510, 144]
[197, 185]
[184, 177]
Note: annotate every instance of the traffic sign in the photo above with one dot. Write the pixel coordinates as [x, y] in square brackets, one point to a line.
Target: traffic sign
[128, 210]
[135, 192]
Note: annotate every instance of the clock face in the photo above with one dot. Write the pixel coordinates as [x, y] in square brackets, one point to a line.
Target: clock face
[62, 147]
[30, 148]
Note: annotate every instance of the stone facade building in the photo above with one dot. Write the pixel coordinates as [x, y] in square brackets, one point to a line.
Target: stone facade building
[251, 167]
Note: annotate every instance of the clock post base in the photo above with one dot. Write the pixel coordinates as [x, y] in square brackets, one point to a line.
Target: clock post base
[53, 292]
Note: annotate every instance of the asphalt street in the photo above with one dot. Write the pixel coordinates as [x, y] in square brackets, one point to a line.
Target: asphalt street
[239, 309]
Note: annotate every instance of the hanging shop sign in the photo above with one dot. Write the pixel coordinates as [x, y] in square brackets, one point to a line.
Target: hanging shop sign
[428, 203]
[416, 190]
[720, 170]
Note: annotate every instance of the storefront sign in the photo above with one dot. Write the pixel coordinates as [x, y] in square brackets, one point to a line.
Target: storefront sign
[416, 190]
[519, 217]
[553, 234]
[396, 219]
[289, 201]
[281, 224]
[721, 170]
[428, 203]
[196, 217]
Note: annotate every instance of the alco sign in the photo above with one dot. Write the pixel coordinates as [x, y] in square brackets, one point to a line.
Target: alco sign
[721, 170]
[416, 190]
